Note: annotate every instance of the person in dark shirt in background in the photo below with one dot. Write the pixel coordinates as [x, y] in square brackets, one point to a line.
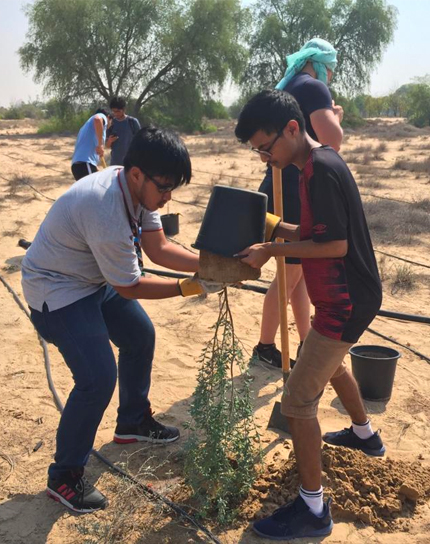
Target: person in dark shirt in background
[308, 74]
[121, 132]
[342, 280]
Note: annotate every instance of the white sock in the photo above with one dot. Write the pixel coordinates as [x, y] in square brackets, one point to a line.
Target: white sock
[363, 430]
[314, 500]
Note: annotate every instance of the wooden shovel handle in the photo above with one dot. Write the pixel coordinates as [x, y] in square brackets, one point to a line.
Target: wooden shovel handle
[282, 280]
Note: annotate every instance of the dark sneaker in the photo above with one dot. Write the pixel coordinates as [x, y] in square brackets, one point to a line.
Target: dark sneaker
[76, 492]
[270, 354]
[295, 520]
[149, 430]
[347, 438]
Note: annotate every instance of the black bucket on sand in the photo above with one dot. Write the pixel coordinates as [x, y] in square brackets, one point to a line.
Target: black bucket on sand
[374, 368]
[170, 222]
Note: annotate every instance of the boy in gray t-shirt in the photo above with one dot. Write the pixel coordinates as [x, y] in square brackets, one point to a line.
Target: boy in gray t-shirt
[81, 280]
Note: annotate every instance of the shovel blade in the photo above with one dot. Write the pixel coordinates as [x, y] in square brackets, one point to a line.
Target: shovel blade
[278, 420]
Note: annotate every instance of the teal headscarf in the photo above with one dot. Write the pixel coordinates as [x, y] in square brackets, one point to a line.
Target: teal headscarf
[322, 55]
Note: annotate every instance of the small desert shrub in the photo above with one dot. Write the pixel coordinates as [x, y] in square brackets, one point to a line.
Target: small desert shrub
[396, 221]
[365, 148]
[221, 455]
[423, 204]
[381, 148]
[403, 279]
[413, 166]
[370, 184]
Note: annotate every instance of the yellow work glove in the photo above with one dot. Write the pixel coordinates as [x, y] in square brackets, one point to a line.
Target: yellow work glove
[196, 286]
[272, 223]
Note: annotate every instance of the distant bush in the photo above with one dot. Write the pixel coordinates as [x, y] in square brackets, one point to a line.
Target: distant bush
[69, 123]
[208, 128]
[213, 109]
[351, 114]
[22, 110]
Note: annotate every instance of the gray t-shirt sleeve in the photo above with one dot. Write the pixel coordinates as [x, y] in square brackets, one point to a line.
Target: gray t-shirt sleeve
[151, 221]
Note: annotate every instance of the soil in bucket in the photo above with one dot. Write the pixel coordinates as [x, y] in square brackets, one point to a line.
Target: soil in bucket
[374, 368]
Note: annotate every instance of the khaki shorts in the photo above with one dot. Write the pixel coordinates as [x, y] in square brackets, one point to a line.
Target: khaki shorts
[320, 359]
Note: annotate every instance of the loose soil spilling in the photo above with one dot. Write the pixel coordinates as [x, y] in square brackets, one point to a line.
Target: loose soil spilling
[379, 492]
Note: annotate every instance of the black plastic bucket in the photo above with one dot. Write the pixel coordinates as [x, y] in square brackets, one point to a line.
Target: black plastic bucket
[374, 368]
[170, 222]
[234, 219]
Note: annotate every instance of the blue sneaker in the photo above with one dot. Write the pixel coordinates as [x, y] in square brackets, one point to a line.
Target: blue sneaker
[295, 520]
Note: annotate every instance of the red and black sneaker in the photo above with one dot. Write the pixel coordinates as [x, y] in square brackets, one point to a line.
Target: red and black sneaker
[148, 430]
[76, 493]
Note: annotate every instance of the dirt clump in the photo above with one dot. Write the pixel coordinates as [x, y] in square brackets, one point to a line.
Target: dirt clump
[382, 493]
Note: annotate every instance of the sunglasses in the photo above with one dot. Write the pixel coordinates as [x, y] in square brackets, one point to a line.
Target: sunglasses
[266, 152]
[161, 188]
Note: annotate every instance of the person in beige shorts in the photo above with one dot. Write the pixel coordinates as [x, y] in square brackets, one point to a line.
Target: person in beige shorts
[342, 280]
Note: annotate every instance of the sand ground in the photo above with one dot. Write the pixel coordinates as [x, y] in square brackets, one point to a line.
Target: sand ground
[27, 411]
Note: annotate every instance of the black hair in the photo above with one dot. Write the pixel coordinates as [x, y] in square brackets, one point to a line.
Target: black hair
[159, 152]
[118, 102]
[103, 111]
[269, 111]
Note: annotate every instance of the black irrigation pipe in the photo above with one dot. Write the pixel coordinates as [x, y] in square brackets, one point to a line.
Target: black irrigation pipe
[17, 157]
[387, 198]
[399, 344]
[222, 175]
[147, 489]
[29, 184]
[401, 258]
[263, 290]
[404, 317]
[204, 207]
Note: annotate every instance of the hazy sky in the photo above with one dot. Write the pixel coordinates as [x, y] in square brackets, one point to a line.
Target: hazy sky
[403, 60]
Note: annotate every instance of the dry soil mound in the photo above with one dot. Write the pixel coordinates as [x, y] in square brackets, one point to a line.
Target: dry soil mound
[378, 492]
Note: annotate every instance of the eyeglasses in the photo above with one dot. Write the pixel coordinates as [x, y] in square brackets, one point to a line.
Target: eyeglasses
[161, 188]
[266, 152]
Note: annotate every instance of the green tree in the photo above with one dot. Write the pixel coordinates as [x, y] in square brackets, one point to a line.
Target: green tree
[87, 49]
[359, 30]
[418, 102]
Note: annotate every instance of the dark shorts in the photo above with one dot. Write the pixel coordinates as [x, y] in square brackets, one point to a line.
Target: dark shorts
[82, 169]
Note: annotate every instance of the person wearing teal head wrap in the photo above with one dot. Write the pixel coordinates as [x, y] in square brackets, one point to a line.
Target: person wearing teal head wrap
[320, 53]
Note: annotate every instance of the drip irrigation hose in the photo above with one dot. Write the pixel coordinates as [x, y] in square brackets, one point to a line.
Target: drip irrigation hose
[263, 290]
[401, 258]
[201, 206]
[149, 491]
[399, 344]
[31, 186]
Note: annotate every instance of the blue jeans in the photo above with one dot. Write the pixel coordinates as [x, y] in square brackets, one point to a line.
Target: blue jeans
[81, 332]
